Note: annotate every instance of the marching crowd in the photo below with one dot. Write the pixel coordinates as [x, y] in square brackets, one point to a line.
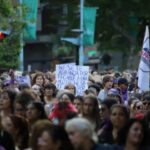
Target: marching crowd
[112, 114]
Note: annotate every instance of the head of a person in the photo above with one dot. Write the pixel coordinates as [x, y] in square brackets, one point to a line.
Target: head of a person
[105, 107]
[80, 132]
[145, 93]
[78, 102]
[37, 90]
[133, 132]
[95, 87]
[90, 79]
[21, 102]
[7, 99]
[131, 101]
[114, 93]
[138, 108]
[115, 82]
[35, 111]
[123, 83]
[38, 79]
[47, 78]
[18, 128]
[71, 88]
[89, 92]
[36, 131]
[119, 115]
[62, 111]
[23, 87]
[50, 90]
[19, 108]
[137, 95]
[67, 97]
[146, 102]
[90, 106]
[46, 136]
[107, 82]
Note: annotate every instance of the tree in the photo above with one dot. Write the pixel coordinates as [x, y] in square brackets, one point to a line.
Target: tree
[121, 25]
[11, 45]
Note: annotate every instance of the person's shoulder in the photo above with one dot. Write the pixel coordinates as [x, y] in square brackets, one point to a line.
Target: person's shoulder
[101, 94]
[102, 91]
[146, 148]
[28, 149]
[107, 147]
[2, 148]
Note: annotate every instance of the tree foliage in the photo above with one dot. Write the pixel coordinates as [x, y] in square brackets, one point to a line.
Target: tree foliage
[120, 24]
[117, 21]
[11, 45]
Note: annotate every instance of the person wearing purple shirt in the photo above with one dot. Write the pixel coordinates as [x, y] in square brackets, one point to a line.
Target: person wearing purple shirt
[123, 89]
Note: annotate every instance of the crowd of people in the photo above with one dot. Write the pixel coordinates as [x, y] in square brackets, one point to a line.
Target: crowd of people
[112, 114]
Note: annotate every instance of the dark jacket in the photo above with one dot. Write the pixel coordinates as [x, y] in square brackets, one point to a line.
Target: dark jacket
[106, 136]
[6, 140]
[106, 147]
[142, 148]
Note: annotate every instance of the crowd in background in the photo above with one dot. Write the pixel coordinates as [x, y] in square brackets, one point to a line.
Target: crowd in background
[112, 114]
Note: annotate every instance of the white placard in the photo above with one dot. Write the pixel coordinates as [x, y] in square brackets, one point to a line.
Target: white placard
[76, 75]
[64, 75]
[81, 80]
[23, 80]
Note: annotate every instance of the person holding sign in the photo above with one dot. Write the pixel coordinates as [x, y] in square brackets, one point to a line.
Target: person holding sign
[71, 88]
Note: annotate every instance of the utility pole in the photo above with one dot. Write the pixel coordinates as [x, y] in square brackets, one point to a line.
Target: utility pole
[21, 57]
[81, 48]
[78, 41]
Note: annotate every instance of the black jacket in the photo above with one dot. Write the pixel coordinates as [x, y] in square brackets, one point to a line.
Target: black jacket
[106, 147]
[6, 140]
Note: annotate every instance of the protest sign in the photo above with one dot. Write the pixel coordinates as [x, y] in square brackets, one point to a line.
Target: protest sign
[64, 75]
[23, 80]
[81, 79]
[72, 74]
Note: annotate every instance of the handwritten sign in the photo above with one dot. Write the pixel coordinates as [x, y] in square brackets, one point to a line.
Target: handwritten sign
[23, 80]
[64, 75]
[70, 73]
[82, 75]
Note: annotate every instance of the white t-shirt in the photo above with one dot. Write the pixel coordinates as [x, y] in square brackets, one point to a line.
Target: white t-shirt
[102, 94]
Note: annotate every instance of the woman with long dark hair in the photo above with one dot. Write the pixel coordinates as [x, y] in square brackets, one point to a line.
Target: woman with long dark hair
[34, 112]
[38, 79]
[7, 99]
[91, 110]
[133, 135]
[18, 128]
[118, 117]
[6, 140]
